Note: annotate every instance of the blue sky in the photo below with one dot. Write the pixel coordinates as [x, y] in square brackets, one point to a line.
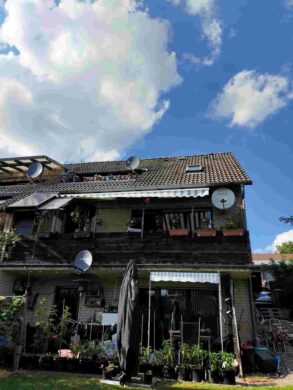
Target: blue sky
[167, 77]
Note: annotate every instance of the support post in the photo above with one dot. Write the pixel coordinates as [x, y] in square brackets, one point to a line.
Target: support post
[221, 312]
[238, 351]
[149, 315]
[142, 223]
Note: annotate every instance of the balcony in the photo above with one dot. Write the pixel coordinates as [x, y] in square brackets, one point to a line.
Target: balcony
[116, 249]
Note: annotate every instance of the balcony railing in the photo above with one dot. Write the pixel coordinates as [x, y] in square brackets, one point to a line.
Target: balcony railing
[114, 249]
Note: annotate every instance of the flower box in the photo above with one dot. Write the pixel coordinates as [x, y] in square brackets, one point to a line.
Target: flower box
[178, 232]
[206, 232]
[233, 232]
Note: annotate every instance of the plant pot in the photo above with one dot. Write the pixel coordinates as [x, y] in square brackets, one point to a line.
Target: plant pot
[73, 365]
[215, 376]
[46, 363]
[233, 232]
[178, 232]
[82, 234]
[183, 373]
[61, 364]
[157, 371]
[32, 362]
[206, 233]
[169, 372]
[144, 367]
[198, 374]
[147, 378]
[228, 377]
[107, 375]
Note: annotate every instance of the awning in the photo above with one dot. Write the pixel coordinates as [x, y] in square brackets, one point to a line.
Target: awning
[176, 193]
[34, 200]
[193, 277]
[55, 204]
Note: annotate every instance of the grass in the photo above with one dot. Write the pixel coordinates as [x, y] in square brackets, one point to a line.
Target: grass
[46, 381]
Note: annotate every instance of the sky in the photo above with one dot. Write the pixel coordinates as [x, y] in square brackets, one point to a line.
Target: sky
[85, 80]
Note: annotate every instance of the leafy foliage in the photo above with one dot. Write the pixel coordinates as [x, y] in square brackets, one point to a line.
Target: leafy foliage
[285, 247]
[226, 360]
[80, 216]
[7, 240]
[45, 322]
[9, 318]
[287, 219]
[197, 355]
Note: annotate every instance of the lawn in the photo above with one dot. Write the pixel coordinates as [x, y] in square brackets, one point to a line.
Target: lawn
[41, 381]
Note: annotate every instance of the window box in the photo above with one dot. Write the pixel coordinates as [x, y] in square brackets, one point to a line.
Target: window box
[82, 234]
[233, 232]
[206, 232]
[178, 232]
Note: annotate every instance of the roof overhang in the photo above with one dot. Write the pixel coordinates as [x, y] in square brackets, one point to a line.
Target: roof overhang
[21, 164]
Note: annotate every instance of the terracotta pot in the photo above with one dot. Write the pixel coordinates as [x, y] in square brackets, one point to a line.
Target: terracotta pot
[206, 232]
[233, 232]
[178, 232]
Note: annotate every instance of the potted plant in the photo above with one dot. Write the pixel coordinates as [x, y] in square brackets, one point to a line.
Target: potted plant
[183, 370]
[227, 365]
[110, 370]
[215, 364]
[80, 216]
[144, 359]
[197, 356]
[8, 240]
[158, 363]
[233, 227]
[168, 360]
[178, 232]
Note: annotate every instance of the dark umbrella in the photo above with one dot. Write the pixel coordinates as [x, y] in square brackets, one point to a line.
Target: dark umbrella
[127, 323]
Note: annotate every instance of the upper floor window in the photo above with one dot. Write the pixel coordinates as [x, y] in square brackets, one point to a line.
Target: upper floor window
[194, 168]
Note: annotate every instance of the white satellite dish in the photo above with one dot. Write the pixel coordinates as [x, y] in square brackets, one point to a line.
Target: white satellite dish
[35, 170]
[133, 163]
[83, 261]
[223, 198]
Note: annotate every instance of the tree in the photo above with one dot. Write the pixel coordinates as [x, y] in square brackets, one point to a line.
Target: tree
[287, 219]
[7, 240]
[285, 247]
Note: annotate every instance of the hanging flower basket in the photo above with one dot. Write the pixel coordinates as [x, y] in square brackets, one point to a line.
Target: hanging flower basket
[206, 233]
[233, 232]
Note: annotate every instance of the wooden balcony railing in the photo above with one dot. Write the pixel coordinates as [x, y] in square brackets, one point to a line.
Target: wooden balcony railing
[116, 249]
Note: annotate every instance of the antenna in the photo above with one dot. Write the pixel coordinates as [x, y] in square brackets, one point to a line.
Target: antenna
[133, 163]
[83, 261]
[223, 198]
[35, 171]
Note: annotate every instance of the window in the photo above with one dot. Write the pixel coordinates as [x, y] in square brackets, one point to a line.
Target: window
[194, 168]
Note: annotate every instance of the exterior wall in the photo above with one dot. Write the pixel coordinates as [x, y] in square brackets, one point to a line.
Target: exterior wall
[243, 310]
[6, 284]
[113, 220]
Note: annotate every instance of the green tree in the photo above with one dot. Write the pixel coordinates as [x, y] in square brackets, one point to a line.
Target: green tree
[285, 247]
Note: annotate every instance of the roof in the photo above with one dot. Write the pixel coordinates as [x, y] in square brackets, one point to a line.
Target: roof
[154, 173]
[261, 257]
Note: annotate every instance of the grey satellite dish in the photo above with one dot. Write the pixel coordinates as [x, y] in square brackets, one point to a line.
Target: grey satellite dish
[35, 170]
[223, 198]
[83, 261]
[133, 163]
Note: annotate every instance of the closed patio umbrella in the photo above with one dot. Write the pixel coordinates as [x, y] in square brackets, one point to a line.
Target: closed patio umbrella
[127, 323]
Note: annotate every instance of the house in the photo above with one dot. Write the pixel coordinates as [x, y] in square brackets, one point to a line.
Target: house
[169, 214]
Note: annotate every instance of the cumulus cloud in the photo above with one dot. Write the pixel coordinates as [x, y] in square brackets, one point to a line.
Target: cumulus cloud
[210, 24]
[280, 239]
[90, 78]
[249, 98]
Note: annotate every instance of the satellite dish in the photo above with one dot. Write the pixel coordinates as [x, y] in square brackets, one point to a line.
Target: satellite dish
[83, 261]
[223, 198]
[133, 163]
[35, 170]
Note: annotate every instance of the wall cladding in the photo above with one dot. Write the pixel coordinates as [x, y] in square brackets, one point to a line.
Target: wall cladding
[243, 309]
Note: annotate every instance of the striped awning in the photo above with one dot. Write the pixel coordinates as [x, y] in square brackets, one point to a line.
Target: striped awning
[176, 193]
[193, 277]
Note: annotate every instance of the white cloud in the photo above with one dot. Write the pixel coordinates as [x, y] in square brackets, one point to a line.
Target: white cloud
[249, 98]
[280, 239]
[89, 81]
[289, 3]
[211, 27]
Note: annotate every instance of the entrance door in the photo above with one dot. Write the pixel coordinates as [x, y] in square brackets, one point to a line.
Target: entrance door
[67, 296]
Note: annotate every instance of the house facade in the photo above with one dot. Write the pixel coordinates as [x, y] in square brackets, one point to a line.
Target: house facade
[189, 252]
